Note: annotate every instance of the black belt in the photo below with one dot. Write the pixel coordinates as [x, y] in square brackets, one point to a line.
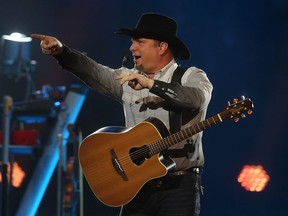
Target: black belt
[183, 172]
[174, 176]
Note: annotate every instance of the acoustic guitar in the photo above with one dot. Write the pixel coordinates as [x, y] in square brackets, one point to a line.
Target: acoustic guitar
[118, 161]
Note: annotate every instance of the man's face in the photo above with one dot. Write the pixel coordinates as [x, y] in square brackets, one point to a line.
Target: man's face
[146, 54]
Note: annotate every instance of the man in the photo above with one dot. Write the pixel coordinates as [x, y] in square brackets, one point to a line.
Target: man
[147, 91]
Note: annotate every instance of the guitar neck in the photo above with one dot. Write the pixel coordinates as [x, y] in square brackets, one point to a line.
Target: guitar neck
[184, 134]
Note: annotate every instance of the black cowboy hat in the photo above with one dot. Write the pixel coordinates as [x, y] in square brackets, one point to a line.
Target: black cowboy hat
[159, 27]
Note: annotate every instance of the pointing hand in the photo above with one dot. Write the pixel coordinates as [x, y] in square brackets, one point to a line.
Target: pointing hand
[49, 45]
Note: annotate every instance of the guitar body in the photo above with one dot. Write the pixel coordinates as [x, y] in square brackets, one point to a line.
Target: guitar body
[116, 163]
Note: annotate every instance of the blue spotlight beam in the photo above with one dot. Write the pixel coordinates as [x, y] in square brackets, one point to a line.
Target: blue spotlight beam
[47, 163]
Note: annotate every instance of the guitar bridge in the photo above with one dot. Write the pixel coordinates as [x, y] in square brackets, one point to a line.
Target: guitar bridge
[117, 165]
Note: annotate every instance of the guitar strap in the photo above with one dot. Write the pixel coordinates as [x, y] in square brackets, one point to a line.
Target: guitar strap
[175, 114]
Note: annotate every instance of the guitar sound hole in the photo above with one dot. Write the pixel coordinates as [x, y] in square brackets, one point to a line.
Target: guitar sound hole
[139, 155]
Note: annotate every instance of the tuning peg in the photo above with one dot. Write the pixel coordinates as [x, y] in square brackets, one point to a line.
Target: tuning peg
[243, 115]
[235, 100]
[236, 119]
[249, 112]
[243, 97]
[228, 103]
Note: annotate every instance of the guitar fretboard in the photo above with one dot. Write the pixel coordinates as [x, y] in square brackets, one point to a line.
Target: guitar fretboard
[184, 134]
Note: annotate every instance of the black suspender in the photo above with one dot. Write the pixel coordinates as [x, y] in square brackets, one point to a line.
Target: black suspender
[175, 115]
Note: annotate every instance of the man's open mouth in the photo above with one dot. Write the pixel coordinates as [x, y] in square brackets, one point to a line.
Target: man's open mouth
[136, 57]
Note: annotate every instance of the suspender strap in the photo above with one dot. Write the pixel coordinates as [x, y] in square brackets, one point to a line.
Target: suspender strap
[175, 114]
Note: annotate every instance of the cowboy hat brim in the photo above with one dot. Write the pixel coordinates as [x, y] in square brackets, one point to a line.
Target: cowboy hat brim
[178, 48]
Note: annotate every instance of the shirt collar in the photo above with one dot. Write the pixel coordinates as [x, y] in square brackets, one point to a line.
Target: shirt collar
[160, 74]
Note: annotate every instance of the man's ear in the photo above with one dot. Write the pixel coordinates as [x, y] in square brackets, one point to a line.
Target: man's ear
[163, 47]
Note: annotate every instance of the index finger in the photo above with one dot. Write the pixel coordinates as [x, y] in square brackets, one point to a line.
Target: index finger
[38, 36]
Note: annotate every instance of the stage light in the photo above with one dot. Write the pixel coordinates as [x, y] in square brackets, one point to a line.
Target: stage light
[17, 37]
[253, 178]
[15, 59]
[17, 174]
[15, 54]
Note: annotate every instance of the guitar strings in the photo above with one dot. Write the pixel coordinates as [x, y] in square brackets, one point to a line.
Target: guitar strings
[147, 150]
[157, 146]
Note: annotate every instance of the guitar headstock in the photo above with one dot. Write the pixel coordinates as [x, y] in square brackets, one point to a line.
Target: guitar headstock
[237, 109]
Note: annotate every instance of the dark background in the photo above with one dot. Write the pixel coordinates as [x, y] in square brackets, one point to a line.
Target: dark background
[243, 47]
